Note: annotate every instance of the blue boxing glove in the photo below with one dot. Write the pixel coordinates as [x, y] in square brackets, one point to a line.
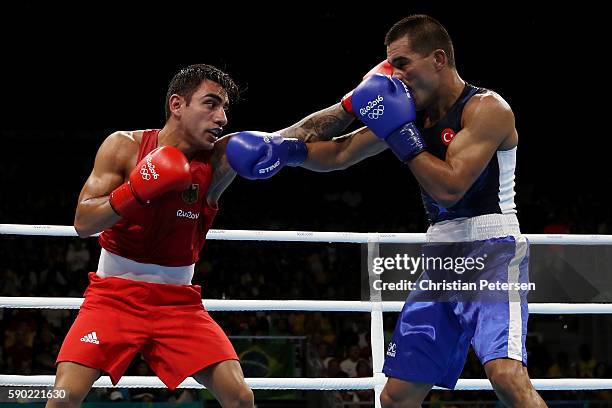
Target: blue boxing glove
[384, 105]
[260, 155]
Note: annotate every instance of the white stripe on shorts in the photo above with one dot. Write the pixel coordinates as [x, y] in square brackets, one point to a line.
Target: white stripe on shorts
[515, 332]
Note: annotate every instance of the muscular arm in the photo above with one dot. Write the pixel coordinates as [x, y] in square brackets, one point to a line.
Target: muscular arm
[488, 123]
[94, 213]
[342, 152]
[332, 121]
[321, 125]
[223, 173]
[323, 155]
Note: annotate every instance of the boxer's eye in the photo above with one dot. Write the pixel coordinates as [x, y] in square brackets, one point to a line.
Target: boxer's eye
[401, 63]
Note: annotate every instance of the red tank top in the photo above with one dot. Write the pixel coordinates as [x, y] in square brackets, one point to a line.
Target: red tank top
[171, 230]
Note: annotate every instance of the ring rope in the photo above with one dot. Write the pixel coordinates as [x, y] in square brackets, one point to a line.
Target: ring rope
[313, 236]
[365, 383]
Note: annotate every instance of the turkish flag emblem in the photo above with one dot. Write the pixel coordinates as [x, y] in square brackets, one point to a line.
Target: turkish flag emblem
[448, 135]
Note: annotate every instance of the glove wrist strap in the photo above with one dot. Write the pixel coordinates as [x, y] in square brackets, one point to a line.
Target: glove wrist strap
[406, 142]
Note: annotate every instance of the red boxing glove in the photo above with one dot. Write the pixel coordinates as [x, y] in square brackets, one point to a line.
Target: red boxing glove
[162, 170]
[382, 68]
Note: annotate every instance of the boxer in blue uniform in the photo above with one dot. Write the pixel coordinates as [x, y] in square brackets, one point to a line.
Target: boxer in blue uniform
[461, 148]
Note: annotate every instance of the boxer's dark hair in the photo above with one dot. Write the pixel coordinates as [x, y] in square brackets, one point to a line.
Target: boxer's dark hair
[426, 35]
[188, 79]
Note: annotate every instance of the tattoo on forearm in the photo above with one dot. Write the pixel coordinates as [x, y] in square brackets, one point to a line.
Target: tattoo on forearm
[322, 125]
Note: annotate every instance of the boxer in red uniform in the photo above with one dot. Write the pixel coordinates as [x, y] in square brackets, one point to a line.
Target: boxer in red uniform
[153, 194]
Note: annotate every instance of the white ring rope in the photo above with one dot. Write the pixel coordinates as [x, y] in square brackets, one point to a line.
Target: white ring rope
[365, 383]
[313, 236]
[228, 305]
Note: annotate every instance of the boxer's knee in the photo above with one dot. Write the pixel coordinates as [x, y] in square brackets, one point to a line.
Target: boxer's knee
[73, 382]
[226, 381]
[511, 383]
[399, 393]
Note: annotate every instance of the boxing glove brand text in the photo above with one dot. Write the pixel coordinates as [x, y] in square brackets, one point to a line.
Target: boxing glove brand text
[269, 168]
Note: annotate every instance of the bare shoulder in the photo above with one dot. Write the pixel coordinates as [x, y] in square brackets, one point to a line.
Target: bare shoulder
[120, 141]
[487, 105]
[119, 150]
[488, 118]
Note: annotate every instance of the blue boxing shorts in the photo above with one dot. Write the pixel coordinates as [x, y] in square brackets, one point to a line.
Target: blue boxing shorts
[435, 329]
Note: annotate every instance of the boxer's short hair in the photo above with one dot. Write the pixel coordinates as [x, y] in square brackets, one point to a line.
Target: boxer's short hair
[426, 35]
[188, 79]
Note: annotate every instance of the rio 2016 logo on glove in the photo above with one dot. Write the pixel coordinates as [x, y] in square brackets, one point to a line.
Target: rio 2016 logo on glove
[151, 168]
[374, 103]
[376, 113]
[144, 173]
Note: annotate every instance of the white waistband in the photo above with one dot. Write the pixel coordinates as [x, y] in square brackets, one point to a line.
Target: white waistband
[114, 265]
[475, 228]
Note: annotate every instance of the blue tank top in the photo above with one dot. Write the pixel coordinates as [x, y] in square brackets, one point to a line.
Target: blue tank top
[493, 190]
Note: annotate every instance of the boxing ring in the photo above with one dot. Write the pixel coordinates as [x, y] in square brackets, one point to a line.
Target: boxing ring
[374, 307]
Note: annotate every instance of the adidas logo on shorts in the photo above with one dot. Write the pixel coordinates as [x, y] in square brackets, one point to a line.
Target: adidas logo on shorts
[90, 338]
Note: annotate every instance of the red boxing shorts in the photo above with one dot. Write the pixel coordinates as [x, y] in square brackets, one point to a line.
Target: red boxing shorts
[167, 323]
